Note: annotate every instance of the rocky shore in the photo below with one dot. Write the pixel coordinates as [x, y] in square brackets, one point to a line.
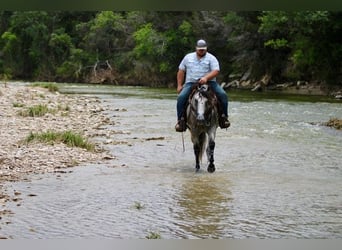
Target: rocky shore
[79, 114]
[295, 87]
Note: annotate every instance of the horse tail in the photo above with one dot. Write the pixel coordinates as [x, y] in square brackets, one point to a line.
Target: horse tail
[202, 142]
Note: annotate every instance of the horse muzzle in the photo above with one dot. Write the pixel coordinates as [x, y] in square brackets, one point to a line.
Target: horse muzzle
[200, 118]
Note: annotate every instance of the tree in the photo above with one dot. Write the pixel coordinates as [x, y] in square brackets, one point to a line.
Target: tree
[146, 47]
[310, 37]
[26, 41]
[149, 45]
[248, 57]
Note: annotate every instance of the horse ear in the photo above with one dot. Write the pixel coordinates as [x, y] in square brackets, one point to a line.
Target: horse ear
[195, 86]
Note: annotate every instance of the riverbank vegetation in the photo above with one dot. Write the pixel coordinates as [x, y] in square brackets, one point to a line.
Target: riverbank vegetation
[40, 109]
[255, 48]
[52, 87]
[67, 137]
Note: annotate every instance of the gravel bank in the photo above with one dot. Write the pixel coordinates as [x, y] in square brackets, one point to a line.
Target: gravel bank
[80, 114]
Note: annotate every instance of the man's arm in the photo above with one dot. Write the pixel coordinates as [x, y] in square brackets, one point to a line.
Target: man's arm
[209, 76]
[180, 80]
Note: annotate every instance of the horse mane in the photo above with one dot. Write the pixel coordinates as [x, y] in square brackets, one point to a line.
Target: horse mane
[194, 88]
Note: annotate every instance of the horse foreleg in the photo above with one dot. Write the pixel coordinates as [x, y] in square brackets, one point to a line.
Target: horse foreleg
[197, 156]
[210, 155]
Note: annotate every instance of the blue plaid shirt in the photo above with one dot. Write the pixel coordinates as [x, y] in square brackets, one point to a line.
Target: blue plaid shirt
[196, 68]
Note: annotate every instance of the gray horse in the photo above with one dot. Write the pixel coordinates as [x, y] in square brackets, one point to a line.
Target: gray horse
[202, 121]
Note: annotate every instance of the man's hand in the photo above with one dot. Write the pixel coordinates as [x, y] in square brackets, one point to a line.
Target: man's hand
[203, 80]
[179, 88]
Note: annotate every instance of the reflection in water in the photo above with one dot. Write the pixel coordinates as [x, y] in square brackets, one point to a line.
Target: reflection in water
[203, 206]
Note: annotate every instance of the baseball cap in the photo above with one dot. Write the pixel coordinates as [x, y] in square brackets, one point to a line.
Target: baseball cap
[201, 44]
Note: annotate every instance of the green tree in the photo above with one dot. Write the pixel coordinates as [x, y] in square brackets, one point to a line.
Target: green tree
[248, 57]
[146, 46]
[33, 35]
[311, 39]
[150, 47]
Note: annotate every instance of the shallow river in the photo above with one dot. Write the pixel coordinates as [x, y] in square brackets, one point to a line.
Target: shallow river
[277, 175]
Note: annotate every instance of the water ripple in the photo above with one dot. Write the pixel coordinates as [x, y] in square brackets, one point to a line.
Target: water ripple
[278, 176]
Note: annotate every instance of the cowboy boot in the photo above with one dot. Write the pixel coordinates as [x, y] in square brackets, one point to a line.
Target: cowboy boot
[224, 122]
[181, 125]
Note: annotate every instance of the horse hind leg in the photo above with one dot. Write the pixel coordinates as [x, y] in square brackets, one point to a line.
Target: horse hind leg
[210, 155]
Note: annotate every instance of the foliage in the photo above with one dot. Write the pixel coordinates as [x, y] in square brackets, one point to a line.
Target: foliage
[52, 87]
[314, 51]
[17, 105]
[149, 45]
[138, 205]
[277, 43]
[248, 55]
[153, 236]
[35, 111]
[145, 47]
[68, 137]
[148, 42]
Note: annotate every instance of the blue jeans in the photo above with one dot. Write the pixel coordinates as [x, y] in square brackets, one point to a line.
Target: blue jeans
[186, 91]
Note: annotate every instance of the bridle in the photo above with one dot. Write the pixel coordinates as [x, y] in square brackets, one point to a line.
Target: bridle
[202, 91]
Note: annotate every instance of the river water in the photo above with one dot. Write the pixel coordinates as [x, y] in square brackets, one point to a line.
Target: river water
[278, 175]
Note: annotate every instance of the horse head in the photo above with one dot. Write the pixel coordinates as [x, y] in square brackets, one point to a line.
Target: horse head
[202, 102]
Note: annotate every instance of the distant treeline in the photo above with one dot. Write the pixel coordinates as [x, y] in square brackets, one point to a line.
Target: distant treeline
[145, 47]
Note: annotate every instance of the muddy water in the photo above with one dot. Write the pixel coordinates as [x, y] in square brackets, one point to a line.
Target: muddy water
[278, 176]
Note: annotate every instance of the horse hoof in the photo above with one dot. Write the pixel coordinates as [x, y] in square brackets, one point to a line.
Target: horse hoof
[197, 168]
[211, 168]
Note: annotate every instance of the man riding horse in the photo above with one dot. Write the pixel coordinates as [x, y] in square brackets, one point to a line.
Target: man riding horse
[199, 67]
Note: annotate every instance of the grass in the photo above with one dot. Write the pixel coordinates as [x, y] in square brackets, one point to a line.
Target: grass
[18, 105]
[52, 87]
[38, 110]
[138, 205]
[34, 111]
[68, 137]
[153, 236]
[41, 110]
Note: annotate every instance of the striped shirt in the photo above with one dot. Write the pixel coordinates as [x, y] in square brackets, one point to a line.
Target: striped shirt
[196, 68]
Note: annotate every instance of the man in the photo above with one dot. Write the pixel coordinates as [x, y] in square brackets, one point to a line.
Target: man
[203, 67]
